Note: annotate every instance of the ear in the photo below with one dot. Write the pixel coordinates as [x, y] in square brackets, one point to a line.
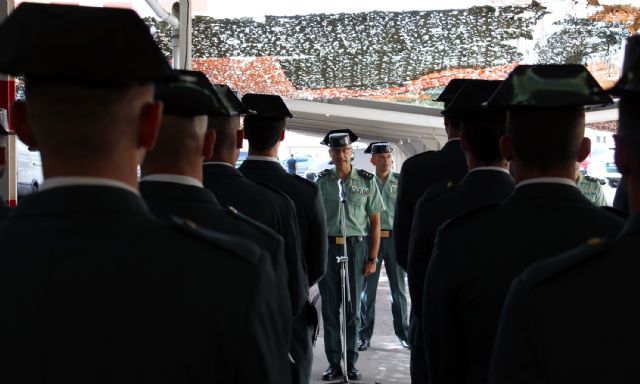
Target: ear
[239, 138]
[20, 124]
[583, 150]
[372, 161]
[464, 144]
[506, 147]
[209, 141]
[149, 124]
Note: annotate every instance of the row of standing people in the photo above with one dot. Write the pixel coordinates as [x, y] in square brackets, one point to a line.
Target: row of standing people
[470, 235]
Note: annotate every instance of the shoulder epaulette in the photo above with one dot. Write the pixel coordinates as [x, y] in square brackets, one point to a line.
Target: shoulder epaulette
[249, 221]
[469, 215]
[305, 181]
[396, 174]
[439, 190]
[550, 268]
[324, 173]
[595, 179]
[365, 174]
[214, 238]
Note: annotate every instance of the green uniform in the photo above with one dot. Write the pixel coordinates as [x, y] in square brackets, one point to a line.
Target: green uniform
[395, 273]
[591, 189]
[362, 200]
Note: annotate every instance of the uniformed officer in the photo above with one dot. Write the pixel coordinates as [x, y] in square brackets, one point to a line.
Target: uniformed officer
[362, 206]
[387, 183]
[478, 254]
[488, 181]
[171, 182]
[92, 287]
[590, 187]
[424, 170]
[574, 318]
[260, 202]
[265, 130]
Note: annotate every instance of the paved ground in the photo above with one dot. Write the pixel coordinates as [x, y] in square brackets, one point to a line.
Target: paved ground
[386, 361]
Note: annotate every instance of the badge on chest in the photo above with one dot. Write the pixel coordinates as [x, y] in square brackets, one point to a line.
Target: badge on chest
[358, 190]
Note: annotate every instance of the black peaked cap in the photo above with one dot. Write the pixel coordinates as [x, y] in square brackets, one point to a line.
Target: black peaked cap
[451, 90]
[226, 100]
[339, 138]
[629, 82]
[379, 147]
[266, 105]
[472, 97]
[549, 86]
[80, 44]
[182, 98]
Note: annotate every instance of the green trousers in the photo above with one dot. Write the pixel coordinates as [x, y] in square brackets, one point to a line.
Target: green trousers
[396, 277]
[331, 293]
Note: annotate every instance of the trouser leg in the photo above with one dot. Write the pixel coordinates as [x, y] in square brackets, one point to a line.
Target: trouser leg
[368, 303]
[397, 285]
[331, 295]
[358, 252]
[301, 348]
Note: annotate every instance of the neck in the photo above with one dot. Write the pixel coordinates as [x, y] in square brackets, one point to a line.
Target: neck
[452, 134]
[192, 169]
[383, 174]
[271, 152]
[344, 171]
[524, 173]
[473, 163]
[119, 168]
[229, 157]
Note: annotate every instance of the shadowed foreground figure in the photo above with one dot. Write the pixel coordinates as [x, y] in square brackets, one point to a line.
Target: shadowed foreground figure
[477, 255]
[93, 288]
[575, 318]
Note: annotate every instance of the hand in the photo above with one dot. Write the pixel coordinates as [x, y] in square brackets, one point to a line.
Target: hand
[369, 268]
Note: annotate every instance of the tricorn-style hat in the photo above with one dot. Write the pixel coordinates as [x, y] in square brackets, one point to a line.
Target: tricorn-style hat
[184, 98]
[226, 100]
[80, 44]
[451, 90]
[472, 97]
[338, 138]
[266, 105]
[629, 82]
[379, 147]
[549, 86]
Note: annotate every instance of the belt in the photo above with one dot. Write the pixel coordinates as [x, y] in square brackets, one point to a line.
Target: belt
[340, 239]
[385, 233]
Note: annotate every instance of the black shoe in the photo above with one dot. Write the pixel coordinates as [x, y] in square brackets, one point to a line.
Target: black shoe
[363, 345]
[353, 373]
[404, 344]
[332, 373]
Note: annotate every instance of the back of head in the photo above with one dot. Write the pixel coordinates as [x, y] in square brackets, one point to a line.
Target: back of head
[482, 131]
[546, 138]
[226, 128]
[263, 133]
[179, 142]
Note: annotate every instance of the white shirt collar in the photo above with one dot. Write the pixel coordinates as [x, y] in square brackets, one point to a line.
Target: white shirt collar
[263, 158]
[500, 169]
[453, 139]
[218, 163]
[555, 180]
[169, 178]
[69, 181]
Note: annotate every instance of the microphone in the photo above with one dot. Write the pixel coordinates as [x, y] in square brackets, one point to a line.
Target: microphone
[341, 190]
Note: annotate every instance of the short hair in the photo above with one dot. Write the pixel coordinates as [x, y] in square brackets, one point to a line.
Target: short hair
[226, 132]
[179, 138]
[546, 138]
[482, 131]
[83, 120]
[263, 132]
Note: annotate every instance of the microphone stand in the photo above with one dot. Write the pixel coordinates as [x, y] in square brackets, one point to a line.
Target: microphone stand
[344, 280]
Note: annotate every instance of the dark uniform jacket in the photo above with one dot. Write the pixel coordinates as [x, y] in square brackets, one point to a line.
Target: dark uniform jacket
[418, 173]
[574, 318]
[269, 208]
[166, 199]
[94, 289]
[475, 258]
[478, 188]
[309, 208]
[5, 210]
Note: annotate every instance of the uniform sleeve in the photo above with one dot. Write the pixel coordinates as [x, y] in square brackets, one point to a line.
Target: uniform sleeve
[444, 346]
[374, 200]
[317, 240]
[264, 352]
[402, 220]
[514, 358]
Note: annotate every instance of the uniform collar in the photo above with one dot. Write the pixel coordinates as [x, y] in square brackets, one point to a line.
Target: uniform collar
[263, 158]
[218, 163]
[171, 178]
[499, 169]
[553, 180]
[74, 181]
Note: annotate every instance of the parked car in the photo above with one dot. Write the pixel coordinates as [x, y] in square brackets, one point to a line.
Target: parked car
[29, 174]
[302, 164]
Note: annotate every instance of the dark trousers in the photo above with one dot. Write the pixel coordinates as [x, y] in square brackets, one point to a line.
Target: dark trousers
[301, 348]
[331, 293]
[418, 362]
[397, 286]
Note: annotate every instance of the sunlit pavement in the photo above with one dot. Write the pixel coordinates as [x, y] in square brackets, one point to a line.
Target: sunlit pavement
[385, 361]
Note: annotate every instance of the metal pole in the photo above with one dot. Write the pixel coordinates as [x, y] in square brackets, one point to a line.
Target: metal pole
[344, 280]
